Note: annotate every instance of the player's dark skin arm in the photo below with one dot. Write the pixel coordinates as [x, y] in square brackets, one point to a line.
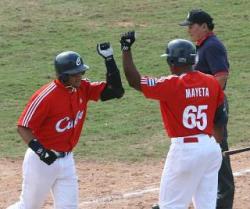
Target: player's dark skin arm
[219, 123]
[222, 79]
[218, 133]
[132, 74]
[25, 133]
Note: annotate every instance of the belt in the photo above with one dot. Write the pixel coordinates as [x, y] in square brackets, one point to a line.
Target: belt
[187, 139]
[61, 154]
[190, 140]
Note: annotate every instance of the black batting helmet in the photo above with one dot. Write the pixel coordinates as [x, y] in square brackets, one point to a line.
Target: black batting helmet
[180, 52]
[69, 63]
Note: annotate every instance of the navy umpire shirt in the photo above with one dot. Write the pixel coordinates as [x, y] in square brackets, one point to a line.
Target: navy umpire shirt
[212, 56]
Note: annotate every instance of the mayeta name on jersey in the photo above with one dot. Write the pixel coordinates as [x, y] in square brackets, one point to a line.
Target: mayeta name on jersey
[197, 92]
[67, 123]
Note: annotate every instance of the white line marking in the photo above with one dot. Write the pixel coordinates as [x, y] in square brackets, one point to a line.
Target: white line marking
[132, 194]
[241, 173]
[137, 193]
[140, 192]
[118, 197]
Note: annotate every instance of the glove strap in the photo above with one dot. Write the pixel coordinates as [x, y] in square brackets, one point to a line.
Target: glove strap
[36, 146]
[109, 58]
[125, 48]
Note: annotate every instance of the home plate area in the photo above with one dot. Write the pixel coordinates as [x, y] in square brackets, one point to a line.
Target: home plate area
[118, 185]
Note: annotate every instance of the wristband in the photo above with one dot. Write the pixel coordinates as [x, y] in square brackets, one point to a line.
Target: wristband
[111, 65]
[111, 57]
[36, 146]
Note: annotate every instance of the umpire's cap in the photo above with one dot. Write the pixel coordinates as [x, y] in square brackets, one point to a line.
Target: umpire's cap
[198, 16]
[69, 63]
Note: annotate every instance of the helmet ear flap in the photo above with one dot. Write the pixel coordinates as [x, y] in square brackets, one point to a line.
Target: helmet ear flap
[193, 59]
[170, 61]
[64, 78]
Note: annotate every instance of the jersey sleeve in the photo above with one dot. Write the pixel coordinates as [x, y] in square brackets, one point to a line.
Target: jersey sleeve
[217, 59]
[36, 111]
[156, 88]
[94, 89]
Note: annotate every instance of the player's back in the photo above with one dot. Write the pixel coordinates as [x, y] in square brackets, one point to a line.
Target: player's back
[190, 105]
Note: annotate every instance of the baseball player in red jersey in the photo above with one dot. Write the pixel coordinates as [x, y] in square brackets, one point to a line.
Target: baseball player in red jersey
[213, 59]
[192, 109]
[51, 125]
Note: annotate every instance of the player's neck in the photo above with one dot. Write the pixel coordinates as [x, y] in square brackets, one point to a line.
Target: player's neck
[180, 70]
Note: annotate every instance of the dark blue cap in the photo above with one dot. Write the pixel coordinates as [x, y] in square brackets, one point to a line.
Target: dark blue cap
[197, 16]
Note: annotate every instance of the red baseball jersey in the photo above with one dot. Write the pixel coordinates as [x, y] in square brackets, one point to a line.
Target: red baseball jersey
[188, 102]
[56, 114]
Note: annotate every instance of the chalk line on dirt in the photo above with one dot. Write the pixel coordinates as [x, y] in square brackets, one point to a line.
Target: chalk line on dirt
[137, 193]
[131, 194]
[241, 173]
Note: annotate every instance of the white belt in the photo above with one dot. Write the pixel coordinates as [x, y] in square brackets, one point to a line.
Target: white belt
[190, 139]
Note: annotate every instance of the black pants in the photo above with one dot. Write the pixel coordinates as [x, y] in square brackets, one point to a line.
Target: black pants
[225, 195]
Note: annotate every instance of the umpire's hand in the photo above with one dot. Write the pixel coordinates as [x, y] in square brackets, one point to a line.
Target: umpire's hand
[127, 40]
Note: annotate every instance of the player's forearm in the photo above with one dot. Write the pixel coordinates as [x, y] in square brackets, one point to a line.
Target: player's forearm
[25, 133]
[113, 77]
[131, 73]
[114, 88]
[222, 79]
[218, 133]
[220, 120]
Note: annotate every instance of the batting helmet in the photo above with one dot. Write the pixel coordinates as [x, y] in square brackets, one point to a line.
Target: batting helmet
[180, 52]
[69, 63]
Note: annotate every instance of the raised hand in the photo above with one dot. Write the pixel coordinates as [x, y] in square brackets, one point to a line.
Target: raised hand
[105, 50]
[127, 40]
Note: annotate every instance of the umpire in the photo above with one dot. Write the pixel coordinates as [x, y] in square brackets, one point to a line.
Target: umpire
[212, 59]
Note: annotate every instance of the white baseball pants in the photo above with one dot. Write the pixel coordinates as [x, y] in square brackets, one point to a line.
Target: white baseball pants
[191, 174]
[39, 178]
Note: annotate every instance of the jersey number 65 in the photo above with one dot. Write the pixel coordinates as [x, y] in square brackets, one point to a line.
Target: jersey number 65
[195, 117]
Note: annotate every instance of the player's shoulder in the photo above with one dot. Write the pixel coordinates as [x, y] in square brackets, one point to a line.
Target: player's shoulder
[87, 82]
[167, 78]
[44, 91]
[46, 88]
[148, 80]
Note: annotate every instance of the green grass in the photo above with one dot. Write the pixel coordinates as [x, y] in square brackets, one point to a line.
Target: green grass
[33, 32]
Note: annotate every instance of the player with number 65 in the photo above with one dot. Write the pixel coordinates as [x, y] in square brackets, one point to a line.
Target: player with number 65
[193, 113]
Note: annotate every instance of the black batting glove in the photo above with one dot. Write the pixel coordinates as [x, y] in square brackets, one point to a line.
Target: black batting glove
[105, 50]
[48, 156]
[45, 155]
[127, 40]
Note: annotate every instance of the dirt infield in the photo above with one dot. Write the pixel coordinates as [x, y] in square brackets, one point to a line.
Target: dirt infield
[119, 185]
